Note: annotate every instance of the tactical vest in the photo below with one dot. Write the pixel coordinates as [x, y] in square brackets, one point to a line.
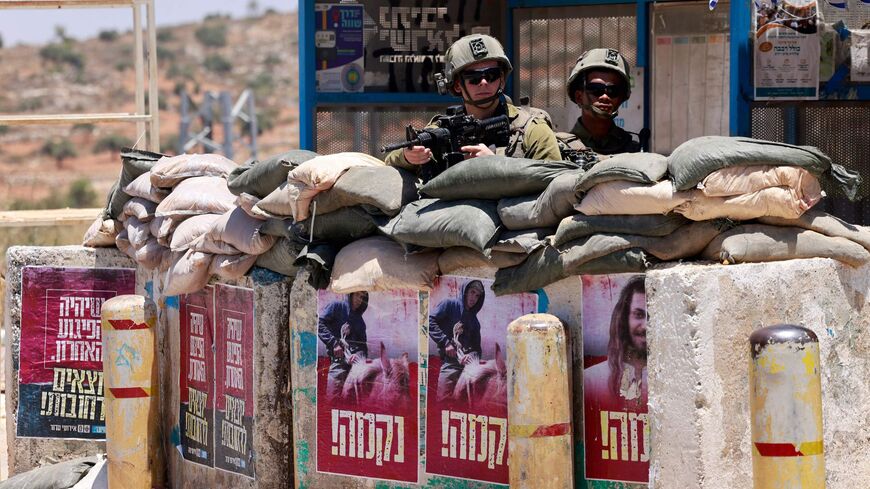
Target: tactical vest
[526, 115]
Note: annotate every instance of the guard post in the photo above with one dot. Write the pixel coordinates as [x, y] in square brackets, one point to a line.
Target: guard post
[785, 396]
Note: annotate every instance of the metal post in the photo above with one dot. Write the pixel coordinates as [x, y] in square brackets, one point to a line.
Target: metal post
[184, 130]
[786, 405]
[227, 120]
[252, 122]
[139, 63]
[130, 396]
[539, 403]
[154, 93]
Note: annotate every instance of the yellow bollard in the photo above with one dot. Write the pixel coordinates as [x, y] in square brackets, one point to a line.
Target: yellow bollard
[539, 403]
[786, 404]
[130, 387]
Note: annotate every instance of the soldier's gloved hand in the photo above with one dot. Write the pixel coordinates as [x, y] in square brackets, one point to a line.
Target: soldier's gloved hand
[417, 155]
[476, 150]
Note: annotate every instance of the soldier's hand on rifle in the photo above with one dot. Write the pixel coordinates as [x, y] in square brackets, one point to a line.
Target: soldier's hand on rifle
[476, 150]
[417, 155]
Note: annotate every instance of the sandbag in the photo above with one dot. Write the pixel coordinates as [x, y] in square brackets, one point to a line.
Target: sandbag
[281, 257]
[693, 160]
[198, 195]
[134, 163]
[247, 203]
[495, 177]
[621, 197]
[123, 244]
[555, 202]
[171, 170]
[435, 223]
[318, 259]
[62, 475]
[191, 229]
[260, 178]
[137, 232]
[525, 241]
[459, 257]
[141, 187]
[345, 224]
[319, 174]
[151, 254]
[686, 242]
[284, 201]
[231, 267]
[102, 233]
[139, 208]
[240, 231]
[579, 226]
[646, 168]
[824, 223]
[211, 246]
[163, 227]
[188, 273]
[383, 188]
[380, 264]
[753, 243]
[774, 201]
[739, 180]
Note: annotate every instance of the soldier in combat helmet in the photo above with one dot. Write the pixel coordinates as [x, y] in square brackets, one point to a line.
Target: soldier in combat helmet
[599, 84]
[476, 69]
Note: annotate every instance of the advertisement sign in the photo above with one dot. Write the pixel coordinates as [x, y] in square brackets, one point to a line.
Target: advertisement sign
[60, 376]
[617, 432]
[367, 387]
[466, 406]
[787, 50]
[234, 380]
[339, 47]
[196, 377]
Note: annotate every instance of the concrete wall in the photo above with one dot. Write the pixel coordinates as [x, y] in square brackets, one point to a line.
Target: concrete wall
[700, 319]
[27, 453]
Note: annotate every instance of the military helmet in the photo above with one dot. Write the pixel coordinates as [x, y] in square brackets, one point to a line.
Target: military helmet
[599, 59]
[470, 49]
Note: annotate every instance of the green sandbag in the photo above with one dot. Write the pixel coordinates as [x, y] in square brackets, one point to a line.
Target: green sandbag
[318, 260]
[435, 223]
[580, 226]
[693, 160]
[384, 189]
[544, 210]
[633, 167]
[134, 162]
[824, 223]
[346, 224]
[495, 177]
[260, 178]
[61, 475]
[281, 257]
[525, 241]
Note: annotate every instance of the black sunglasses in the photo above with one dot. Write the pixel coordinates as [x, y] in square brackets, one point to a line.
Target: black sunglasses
[476, 76]
[599, 89]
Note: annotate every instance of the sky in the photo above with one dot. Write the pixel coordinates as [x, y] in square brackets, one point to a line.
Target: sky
[37, 26]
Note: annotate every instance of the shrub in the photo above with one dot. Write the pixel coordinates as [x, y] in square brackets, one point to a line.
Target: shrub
[262, 85]
[112, 143]
[59, 149]
[272, 60]
[81, 194]
[123, 65]
[85, 127]
[62, 53]
[217, 64]
[165, 35]
[31, 104]
[108, 35]
[213, 35]
[180, 71]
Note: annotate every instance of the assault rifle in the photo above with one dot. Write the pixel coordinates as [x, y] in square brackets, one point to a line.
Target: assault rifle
[451, 132]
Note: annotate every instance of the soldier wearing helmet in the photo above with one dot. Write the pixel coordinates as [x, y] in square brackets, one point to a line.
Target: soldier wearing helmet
[476, 69]
[599, 84]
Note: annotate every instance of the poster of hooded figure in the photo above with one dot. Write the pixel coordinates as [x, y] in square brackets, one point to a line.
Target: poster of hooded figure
[367, 401]
[614, 320]
[466, 407]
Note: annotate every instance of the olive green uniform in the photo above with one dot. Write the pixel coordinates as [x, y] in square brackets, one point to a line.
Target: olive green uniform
[531, 137]
[617, 140]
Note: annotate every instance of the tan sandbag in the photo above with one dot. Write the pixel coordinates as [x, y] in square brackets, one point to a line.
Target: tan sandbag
[198, 195]
[191, 229]
[284, 201]
[137, 232]
[773, 201]
[102, 233]
[139, 208]
[123, 244]
[163, 227]
[189, 273]
[623, 197]
[686, 242]
[151, 254]
[247, 203]
[381, 189]
[205, 244]
[231, 267]
[141, 187]
[241, 231]
[379, 263]
[754, 243]
[458, 257]
[822, 222]
[319, 174]
[171, 170]
[739, 180]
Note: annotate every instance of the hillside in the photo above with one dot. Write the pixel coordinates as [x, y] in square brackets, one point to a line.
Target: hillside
[40, 164]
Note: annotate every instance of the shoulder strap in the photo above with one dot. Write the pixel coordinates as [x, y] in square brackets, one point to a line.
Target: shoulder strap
[526, 116]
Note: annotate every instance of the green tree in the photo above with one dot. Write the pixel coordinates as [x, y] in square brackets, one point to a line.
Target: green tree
[59, 149]
[165, 35]
[108, 35]
[212, 34]
[111, 143]
[62, 53]
[217, 64]
[81, 195]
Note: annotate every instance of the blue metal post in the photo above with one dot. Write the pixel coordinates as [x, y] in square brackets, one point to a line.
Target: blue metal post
[643, 59]
[741, 62]
[307, 77]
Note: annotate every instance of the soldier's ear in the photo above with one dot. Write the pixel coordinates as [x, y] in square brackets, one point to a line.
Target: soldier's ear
[578, 94]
